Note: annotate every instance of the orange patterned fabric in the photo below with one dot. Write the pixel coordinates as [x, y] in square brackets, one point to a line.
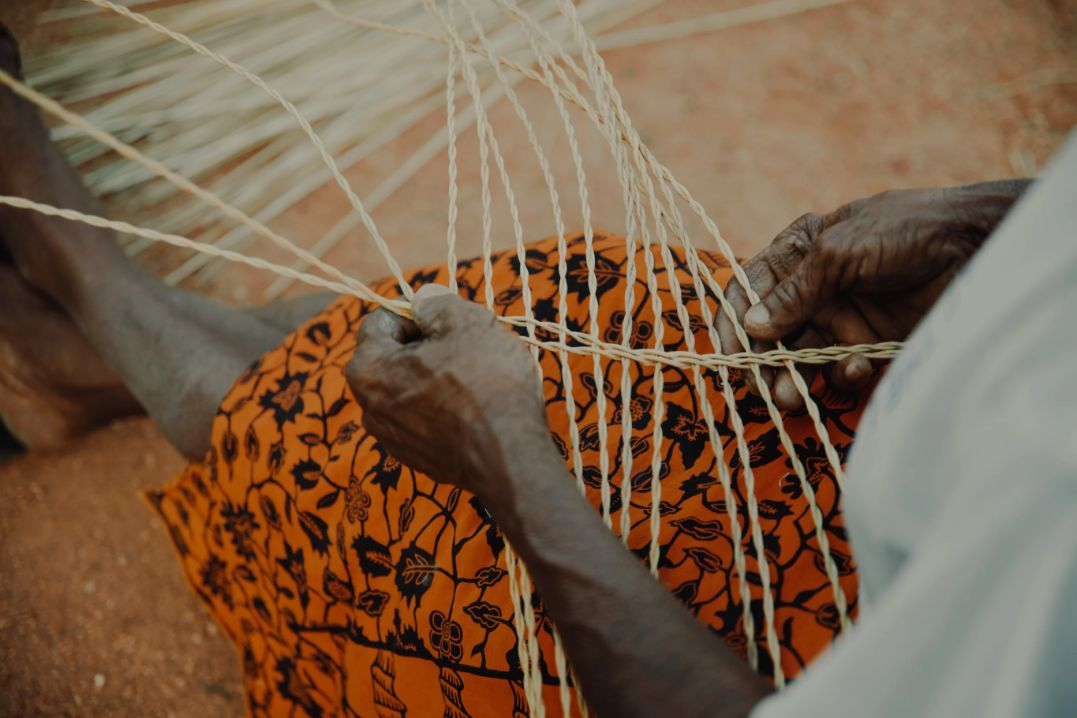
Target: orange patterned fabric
[354, 586]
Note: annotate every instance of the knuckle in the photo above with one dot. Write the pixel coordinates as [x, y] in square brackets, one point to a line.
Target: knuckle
[807, 225]
[830, 252]
[802, 244]
[789, 295]
[799, 238]
[810, 222]
[757, 271]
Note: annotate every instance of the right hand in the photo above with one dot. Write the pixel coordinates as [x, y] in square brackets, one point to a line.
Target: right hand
[865, 273]
[449, 393]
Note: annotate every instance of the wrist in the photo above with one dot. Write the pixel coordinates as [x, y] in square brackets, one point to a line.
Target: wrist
[515, 439]
[521, 466]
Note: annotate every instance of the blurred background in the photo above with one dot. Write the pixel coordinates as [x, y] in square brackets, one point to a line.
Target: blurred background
[763, 121]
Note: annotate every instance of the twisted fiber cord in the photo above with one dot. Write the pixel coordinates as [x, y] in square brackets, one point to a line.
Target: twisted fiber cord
[738, 271]
[615, 120]
[291, 109]
[633, 199]
[884, 349]
[397, 306]
[755, 529]
[629, 187]
[528, 645]
[562, 250]
[666, 177]
[598, 76]
[519, 582]
[830, 567]
[772, 641]
[723, 472]
[354, 287]
[560, 661]
[524, 590]
[450, 129]
[654, 522]
[126, 150]
[563, 670]
[597, 71]
[627, 486]
[570, 93]
[658, 381]
[403, 308]
[546, 62]
[597, 369]
[742, 450]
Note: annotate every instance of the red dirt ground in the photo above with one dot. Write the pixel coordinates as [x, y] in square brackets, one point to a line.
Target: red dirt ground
[763, 123]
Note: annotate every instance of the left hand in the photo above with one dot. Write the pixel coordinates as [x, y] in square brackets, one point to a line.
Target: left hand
[864, 273]
[449, 392]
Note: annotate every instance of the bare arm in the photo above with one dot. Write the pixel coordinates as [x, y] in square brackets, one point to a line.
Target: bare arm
[454, 396]
[635, 649]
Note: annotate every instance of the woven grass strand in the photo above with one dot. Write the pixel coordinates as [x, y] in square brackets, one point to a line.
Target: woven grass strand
[653, 216]
[292, 110]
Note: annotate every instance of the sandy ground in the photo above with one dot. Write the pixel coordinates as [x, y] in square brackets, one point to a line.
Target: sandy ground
[762, 123]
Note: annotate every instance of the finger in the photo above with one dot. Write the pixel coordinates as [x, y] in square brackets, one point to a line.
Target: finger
[848, 325]
[431, 290]
[381, 335]
[851, 373]
[765, 270]
[384, 327]
[793, 301]
[437, 310]
[727, 333]
[786, 395]
[760, 279]
[773, 264]
[792, 245]
[766, 373]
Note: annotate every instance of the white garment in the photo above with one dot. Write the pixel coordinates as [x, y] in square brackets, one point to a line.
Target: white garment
[962, 495]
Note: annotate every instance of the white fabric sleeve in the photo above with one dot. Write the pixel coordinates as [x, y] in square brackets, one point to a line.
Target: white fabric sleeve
[984, 624]
[962, 496]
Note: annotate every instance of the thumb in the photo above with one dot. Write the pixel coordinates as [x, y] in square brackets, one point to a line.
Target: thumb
[431, 290]
[792, 302]
[434, 308]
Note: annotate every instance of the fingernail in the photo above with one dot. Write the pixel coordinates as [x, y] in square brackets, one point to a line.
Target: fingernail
[858, 369]
[786, 394]
[758, 315]
[431, 290]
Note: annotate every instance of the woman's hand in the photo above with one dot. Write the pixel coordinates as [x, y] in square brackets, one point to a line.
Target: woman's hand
[448, 393]
[865, 273]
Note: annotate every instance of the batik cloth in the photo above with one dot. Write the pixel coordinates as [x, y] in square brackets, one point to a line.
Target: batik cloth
[354, 586]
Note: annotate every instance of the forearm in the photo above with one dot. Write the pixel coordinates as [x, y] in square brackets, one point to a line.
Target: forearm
[634, 648]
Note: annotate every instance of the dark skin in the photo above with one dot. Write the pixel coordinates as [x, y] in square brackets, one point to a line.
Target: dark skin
[867, 272]
[88, 336]
[486, 405]
[454, 394]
